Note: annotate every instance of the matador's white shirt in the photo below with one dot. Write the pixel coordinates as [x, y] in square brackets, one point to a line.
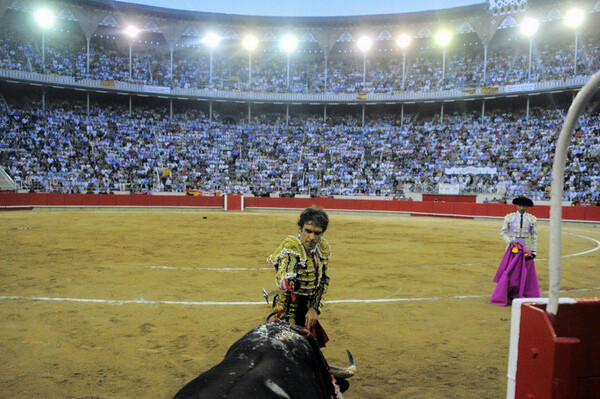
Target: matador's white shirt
[521, 228]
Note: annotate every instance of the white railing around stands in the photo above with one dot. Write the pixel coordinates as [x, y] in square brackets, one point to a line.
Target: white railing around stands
[208, 94]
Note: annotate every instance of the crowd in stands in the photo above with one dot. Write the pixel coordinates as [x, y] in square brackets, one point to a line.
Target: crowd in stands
[62, 149]
[66, 54]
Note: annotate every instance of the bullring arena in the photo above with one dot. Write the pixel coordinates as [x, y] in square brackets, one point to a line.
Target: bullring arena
[134, 304]
[152, 158]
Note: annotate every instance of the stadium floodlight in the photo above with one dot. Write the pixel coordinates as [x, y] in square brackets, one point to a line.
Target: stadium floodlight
[442, 38]
[132, 32]
[250, 43]
[364, 43]
[574, 19]
[403, 42]
[45, 18]
[528, 27]
[212, 40]
[288, 43]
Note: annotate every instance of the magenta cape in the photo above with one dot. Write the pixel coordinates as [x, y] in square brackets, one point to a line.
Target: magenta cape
[516, 277]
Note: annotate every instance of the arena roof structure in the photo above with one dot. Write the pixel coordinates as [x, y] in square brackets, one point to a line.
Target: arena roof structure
[484, 19]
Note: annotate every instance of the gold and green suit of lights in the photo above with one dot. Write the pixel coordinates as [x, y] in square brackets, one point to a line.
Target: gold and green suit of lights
[307, 269]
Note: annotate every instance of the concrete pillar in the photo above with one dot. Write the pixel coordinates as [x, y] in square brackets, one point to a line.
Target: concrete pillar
[363, 115]
[401, 116]
[483, 110]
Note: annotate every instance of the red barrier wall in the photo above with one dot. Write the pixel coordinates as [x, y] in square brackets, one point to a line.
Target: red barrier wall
[48, 199]
[458, 209]
[582, 213]
[450, 198]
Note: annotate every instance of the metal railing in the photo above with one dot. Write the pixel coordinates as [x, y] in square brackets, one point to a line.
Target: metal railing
[246, 96]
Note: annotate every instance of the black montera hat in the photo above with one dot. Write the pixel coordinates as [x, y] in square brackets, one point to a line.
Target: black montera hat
[522, 201]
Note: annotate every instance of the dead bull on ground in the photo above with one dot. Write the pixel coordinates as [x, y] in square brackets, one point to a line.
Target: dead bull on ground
[273, 360]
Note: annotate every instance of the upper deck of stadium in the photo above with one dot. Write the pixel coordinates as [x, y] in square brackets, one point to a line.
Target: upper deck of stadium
[88, 47]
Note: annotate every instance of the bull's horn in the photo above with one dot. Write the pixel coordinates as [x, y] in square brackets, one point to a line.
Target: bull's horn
[344, 372]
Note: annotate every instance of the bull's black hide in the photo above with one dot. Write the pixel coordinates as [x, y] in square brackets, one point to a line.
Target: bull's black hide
[271, 361]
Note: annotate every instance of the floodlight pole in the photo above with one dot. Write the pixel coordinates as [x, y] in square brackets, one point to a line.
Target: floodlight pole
[443, 65]
[403, 69]
[326, 72]
[485, 48]
[87, 57]
[575, 57]
[249, 69]
[364, 69]
[171, 66]
[130, 44]
[43, 53]
[210, 68]
[529, 68]
[287, 80]
[558, 181]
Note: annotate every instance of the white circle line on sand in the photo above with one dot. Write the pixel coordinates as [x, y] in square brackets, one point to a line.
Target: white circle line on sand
[585, 252]
[212, 303]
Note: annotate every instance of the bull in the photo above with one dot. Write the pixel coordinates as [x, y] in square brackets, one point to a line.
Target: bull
[272, 361]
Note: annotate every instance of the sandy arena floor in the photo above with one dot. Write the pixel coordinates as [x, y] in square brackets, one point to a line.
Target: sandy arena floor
[149, 331]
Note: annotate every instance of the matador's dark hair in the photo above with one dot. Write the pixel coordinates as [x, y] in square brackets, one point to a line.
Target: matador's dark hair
[315, 216]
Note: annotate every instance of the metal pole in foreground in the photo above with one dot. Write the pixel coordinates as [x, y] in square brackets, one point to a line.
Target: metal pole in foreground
[558, 182]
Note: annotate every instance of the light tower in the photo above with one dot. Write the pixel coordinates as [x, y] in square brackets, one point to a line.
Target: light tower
[250, 43]
[528, 27]
[212, 40]
[364, 43]
[442, 38]
[574, 19]
[45, 18]
[403, 42]
[132, 32]
[288, 44]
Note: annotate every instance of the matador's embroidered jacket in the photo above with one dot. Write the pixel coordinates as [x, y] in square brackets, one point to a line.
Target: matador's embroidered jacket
[308, 271]
[520, 228]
